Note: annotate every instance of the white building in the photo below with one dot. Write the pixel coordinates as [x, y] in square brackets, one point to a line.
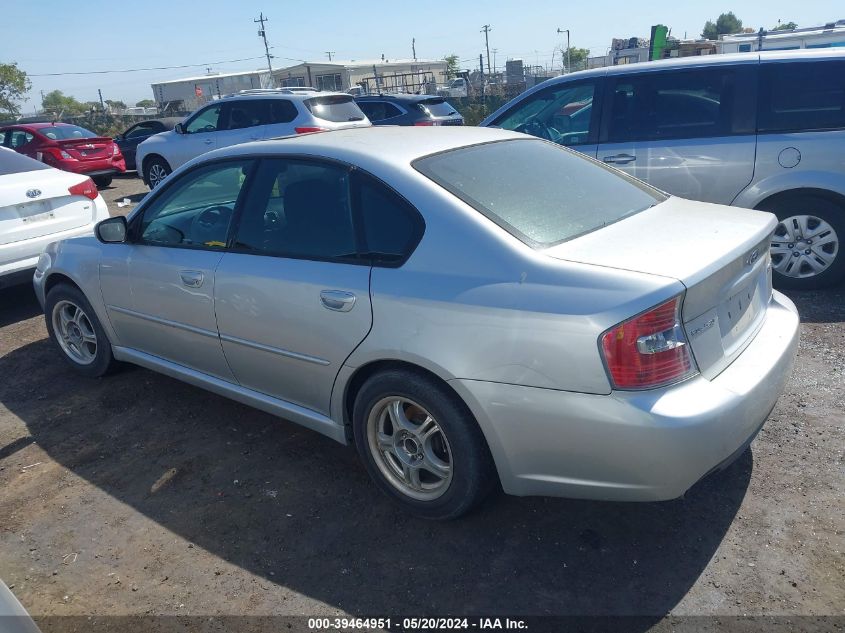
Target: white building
[831, 34]
[191, 92]
[389, 76]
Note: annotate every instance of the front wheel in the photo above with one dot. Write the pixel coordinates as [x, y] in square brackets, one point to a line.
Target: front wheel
[156, 170]
[421, 445]
[805, 249]
[74, 328]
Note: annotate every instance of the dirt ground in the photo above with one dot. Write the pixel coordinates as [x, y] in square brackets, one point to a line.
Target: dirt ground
[137, 494]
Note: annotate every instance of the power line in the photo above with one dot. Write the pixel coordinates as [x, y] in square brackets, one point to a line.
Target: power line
[138, 70]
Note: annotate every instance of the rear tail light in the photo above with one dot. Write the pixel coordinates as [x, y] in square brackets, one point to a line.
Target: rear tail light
[309, 130]
[58, 154]
[115, 150]
[426, 123]
[649, 350]
[86, 188]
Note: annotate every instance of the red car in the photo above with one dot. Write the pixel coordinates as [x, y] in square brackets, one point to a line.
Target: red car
[67, 147]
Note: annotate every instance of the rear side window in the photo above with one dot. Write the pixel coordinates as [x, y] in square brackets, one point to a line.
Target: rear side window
[392, 227]
[379, 110]
[674, 105]
[540, 193]
[801, 96]
[14, 163]
[242, 114]
[282, 111]
[335, 108]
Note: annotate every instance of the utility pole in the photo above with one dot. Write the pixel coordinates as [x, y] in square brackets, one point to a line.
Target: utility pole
[102, 105]
[568, 67]
[414, 47]
[481, 68]
[330, 53]
[263, 33]
[495, 50]
[486, 30]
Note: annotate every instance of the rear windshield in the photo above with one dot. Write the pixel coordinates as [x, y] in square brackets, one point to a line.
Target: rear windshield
[13, 163]
[63, 132]
[539, 192]
[336, 108]
[436, 107]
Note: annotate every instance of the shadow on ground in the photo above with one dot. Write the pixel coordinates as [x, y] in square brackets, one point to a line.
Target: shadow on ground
[820, 306]
[18, 303]
[304, 511]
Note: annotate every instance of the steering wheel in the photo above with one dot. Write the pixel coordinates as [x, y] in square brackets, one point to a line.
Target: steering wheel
[210, 225]
[535, 127]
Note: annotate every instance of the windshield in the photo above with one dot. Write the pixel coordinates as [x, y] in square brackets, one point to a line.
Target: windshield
[64, 132]
[436, 107]
[336, 108]
[541, 193]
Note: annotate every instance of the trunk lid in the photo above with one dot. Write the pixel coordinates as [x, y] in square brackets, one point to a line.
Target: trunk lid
[87, 149]
[721, 255]
[37, 203]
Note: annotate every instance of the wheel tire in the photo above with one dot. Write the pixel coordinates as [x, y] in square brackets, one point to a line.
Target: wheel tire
[817, 209]
[64, 297]
[472, 474]
[102, 181]
[156, 169]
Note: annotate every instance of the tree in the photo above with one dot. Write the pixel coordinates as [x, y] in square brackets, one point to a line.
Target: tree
[60, 104]
[145, 103]
[115, 105]
[452, 67]
[725, 24]
[577, 59]
[786, 26]
[14, 84]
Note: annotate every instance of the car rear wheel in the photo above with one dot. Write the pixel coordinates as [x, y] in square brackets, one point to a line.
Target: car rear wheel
[156, 170]
[102, 181]
[76, 331]
[421, 445]
[806, 247]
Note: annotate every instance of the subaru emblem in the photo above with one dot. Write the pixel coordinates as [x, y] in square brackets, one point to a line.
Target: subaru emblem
[752, 257]
[33, 193]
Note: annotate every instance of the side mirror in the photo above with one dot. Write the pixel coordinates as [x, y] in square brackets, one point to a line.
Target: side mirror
[112, 230]
[179, 129]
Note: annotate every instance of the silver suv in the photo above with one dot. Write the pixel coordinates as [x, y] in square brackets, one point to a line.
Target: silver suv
[761, 131]
[251, 115]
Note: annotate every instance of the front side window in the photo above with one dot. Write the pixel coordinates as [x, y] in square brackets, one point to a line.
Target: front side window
[561, 113]
[300, 209]
[672, 105]
[540, 193]
[801, 96]
[195, 210]
[242, 114]
[205, 121]
[19, 138]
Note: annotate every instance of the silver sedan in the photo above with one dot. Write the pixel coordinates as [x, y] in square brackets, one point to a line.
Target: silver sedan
[468, 307]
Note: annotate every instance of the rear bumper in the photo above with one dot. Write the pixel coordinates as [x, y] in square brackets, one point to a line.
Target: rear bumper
[18, 257]
[98, 168]
[635, 446]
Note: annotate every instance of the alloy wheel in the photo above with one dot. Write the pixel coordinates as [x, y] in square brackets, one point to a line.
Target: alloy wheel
[74, 332]
[156, 175]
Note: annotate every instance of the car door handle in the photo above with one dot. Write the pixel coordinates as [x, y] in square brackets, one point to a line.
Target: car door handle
[620, 159]
[337, 300]
[191, 278]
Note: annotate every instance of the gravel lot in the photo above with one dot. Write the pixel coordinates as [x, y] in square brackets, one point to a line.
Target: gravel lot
[137, 494]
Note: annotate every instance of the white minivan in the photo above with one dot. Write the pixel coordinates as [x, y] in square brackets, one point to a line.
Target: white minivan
[756, 130]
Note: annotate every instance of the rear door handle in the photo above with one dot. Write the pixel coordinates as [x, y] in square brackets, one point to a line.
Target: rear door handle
[337, 300]
[620, 159]
[191, 278]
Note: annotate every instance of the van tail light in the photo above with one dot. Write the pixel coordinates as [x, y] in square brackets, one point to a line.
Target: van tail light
[648, 350]
[86, 188]
[310, 130]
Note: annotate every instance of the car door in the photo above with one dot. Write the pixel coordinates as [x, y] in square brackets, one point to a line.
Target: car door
[23, 142]
[199, 136]
[159, 286]
[688, 131]
[292, 298]
[566, 112]
[243, 120]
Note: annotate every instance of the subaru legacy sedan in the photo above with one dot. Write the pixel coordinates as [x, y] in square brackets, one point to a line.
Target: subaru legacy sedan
[469, 307]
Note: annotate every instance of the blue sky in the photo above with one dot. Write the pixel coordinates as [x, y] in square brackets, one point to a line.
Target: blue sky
[106, 35]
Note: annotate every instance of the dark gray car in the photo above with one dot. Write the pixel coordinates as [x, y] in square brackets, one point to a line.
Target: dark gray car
[402, 109]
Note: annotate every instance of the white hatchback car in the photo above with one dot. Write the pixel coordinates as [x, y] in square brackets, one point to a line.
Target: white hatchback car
[39, 205]
[249, 116]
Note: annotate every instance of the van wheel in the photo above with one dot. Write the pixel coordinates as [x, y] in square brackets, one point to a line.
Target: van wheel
[806, 247]
[421, 445]
[156, 169]
[74, 328]
[102, 181]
